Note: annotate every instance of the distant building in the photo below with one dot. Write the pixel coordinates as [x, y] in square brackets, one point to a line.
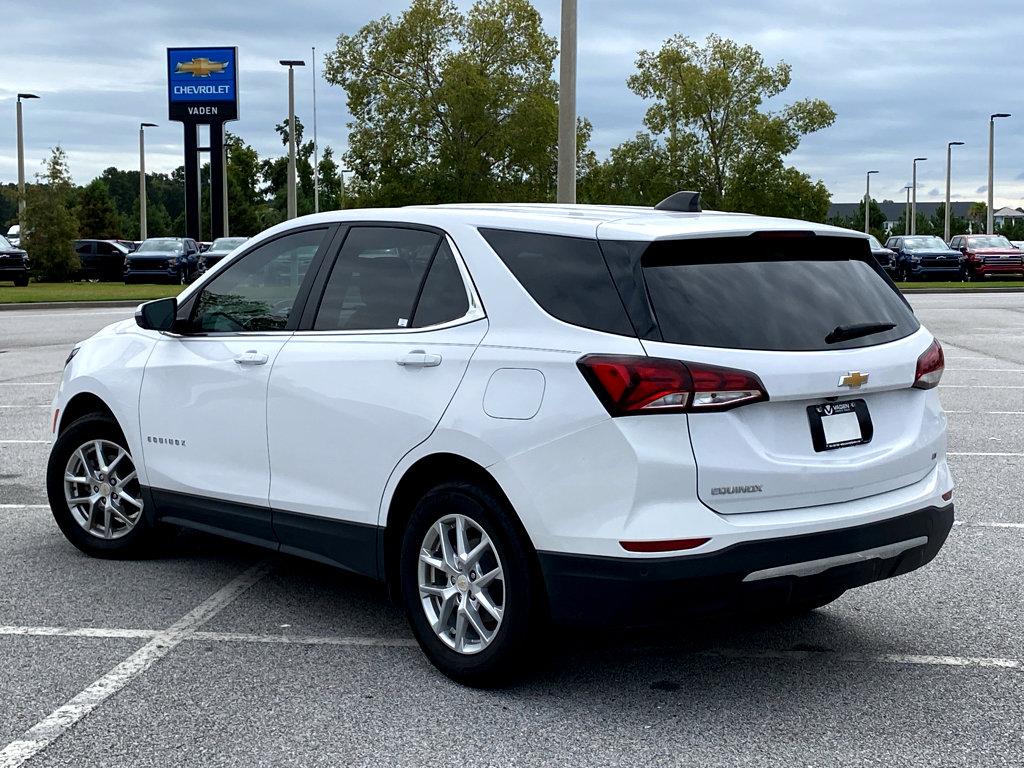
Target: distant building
[894, 210]
[1007, 215]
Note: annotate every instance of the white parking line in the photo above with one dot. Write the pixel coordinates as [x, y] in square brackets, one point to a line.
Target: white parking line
[22, 441]
[7, 506]
[28, 406]
[402, 643]
[990, 524]
[1000, 370]
[82, 704]
[1004, 413]
[28, 384]
[981, 387]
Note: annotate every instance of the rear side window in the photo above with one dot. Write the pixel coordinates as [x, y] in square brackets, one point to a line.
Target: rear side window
[566, 276]
[443, 297]
[772, 294]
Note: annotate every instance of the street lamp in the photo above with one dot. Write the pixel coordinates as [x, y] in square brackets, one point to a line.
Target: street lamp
[949, 160]
[867, 202]
[142, 179]
[913, 199]
[991, 164]
[567, 105]
[906, 216]
[21, 164]
[291, 64]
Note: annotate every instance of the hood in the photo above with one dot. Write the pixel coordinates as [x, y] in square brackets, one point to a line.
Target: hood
[935, 252]
[995, 251]
[153, 254]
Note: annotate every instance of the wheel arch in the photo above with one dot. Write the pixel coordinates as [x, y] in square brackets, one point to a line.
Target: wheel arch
[81, 404]
[420, 477]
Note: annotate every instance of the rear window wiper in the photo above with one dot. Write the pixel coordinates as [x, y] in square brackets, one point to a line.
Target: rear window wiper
[855, 330]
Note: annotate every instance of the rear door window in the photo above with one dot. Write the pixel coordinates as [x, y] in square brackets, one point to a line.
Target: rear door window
[772, 294]
[566, 276]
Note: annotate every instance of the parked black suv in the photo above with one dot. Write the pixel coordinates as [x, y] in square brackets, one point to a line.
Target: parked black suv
[14, 263]
[162, 260]
[100, 259]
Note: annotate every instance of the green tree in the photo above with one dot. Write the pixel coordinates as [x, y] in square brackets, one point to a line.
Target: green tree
[449, 106]
[51, 225]
[636, 173]
[766, 186]
[708, 109]
[97, 215]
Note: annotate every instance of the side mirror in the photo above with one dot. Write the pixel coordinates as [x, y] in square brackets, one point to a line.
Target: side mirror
[158, 315]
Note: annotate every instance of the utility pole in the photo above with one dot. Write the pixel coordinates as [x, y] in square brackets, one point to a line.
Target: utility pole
[867, 203]
[913, 200]
[949, 165]
[21, 165]
[291, 64]
[991, 167]
[143, 228]
[567, 105]
[906, 216]
[316, 158]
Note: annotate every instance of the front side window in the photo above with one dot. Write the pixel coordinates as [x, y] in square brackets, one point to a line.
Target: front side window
[258, 291]
[376, 279]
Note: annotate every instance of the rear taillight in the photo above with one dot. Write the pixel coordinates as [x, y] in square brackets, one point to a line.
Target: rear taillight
[930, 367]
[633, 384]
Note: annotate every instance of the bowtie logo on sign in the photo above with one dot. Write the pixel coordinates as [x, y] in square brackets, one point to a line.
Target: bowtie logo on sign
[200, 67]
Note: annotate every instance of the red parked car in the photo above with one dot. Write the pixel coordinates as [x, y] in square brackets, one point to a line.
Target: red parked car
[988, 255]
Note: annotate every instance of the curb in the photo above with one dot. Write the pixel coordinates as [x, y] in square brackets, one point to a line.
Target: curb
[70, 305]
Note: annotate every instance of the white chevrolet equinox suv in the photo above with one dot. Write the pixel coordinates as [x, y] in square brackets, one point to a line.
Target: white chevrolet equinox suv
[519, 414]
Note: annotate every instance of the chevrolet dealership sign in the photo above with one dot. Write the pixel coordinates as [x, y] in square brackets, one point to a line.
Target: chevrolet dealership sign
[202, 84]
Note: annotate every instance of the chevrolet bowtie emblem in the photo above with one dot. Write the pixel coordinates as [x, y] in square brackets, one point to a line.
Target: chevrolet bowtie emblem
[853, 379]
[201, 67]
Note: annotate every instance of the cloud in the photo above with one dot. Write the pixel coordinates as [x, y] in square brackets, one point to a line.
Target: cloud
[982, 189]
[859, 58]
[934, 192]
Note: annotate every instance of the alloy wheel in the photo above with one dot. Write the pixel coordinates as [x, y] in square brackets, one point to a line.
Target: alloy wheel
[102, 489]
[461, 583]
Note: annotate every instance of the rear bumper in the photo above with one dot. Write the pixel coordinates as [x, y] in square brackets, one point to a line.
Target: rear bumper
[586, 589]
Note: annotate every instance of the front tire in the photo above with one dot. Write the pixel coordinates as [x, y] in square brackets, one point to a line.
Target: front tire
[21, 281]
[94, 491]
[469, 590]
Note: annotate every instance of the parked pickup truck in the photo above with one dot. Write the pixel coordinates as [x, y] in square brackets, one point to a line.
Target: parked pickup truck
[988, 255]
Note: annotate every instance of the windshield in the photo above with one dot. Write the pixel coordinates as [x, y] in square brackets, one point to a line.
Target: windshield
[873, 242]
[771, 294]
[226, 244]
[161, 245]
[989, 241]
[5, 243]
[924, 243]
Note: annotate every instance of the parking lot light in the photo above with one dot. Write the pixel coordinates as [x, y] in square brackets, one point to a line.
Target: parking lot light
[291, 64]
[949, 157]
[142, 179]
[867, 202]
[21, 162]
[913, 199]
[991, 166]
[906, 215]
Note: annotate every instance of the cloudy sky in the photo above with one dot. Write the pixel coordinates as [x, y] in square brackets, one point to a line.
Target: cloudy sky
[904, 76]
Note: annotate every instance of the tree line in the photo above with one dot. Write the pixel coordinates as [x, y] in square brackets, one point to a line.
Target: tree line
[452, 106]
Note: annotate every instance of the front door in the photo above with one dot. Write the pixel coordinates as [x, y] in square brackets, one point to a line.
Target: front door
[204, 393]
[349, 397]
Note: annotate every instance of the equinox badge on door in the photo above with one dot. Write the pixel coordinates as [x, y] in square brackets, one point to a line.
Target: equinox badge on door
[853, 379]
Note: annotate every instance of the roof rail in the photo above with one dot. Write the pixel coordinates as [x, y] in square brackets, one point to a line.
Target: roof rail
[681, 201]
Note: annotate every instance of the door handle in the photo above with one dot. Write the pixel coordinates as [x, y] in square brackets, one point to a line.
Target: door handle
[419, 359]
[251, 358]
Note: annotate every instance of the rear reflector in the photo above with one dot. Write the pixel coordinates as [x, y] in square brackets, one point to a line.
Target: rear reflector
[634, 384]
[663, 545]
[948, 495]
[930, 366]
[56, 414]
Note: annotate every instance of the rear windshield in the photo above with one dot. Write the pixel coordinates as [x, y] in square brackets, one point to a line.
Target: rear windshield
[772, 294]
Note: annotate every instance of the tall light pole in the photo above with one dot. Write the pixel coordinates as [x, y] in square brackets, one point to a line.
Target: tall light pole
[316, 159]
[867, 202]
[567, 105]
[991, 165]
[21, 164]
[913, 199]
[949, 165]
[906, 216]
[291, 64]
[142, 179]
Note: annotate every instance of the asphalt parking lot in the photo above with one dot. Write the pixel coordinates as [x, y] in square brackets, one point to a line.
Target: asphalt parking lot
[217, 653]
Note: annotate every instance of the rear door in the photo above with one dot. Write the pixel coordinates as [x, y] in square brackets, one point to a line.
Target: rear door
[365, 381]
[788, 310]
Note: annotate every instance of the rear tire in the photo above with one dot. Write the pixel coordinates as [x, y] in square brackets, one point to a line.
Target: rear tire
[21, 281]
[117, 526]
[450, 590]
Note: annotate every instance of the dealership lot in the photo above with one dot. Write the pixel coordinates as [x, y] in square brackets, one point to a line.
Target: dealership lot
[218, 653]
